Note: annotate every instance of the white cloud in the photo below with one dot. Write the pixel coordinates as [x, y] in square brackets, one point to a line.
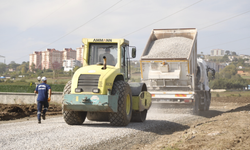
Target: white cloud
[56, 18]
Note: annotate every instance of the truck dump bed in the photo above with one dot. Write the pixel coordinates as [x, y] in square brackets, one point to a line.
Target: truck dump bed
[169, 63]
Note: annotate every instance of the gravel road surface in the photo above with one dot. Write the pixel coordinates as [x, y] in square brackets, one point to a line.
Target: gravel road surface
[54, 133]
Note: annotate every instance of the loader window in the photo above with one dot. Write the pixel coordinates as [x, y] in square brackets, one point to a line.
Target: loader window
[98, 50]
[125, 61]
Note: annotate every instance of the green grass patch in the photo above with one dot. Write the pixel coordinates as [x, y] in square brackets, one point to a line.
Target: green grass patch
[28, 88]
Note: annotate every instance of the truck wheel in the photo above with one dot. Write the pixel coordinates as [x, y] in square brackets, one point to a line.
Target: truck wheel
[196, 104]
[72, 117]
[203, 106]
[208, 96]
[139, 116]
[123, 115]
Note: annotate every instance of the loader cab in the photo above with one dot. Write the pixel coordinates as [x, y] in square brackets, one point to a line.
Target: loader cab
[116, 51]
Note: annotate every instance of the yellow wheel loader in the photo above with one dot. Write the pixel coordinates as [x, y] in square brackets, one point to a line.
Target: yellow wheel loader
[100, 90]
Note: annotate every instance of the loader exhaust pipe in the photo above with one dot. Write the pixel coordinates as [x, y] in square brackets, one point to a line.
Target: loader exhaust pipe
[104, 62]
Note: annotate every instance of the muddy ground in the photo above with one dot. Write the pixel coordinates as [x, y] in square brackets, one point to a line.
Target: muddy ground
[16, 111]
[225, 126]
[218, 131]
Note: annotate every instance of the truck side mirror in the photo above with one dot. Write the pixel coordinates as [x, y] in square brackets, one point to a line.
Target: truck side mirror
[133, 52]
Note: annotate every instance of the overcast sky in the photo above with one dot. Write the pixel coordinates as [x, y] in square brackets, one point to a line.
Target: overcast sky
[34, 25]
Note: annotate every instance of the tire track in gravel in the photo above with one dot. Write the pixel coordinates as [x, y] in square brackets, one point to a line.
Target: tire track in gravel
[54, 133]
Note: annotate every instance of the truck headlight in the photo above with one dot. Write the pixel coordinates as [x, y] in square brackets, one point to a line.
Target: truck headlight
[78, 90]
[96, 90]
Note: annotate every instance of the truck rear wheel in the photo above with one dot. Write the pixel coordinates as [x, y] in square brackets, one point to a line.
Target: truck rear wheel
[123, 115]
[139, 116]
[196, 104]
[72, 117]
[208, 96]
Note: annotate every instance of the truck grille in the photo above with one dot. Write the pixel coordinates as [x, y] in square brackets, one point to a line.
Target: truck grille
[87, 82]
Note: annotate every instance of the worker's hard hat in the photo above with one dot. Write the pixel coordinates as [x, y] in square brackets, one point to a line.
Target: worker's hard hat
[38, 78]
[44, 78]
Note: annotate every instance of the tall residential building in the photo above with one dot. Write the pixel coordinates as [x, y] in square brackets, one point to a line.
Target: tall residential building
[70, 64]
[68, 53]
[79, 53]
[36, 59]
[217, 52]
[52, 59]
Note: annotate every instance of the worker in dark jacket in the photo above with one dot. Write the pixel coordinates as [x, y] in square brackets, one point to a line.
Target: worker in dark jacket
[44, 95]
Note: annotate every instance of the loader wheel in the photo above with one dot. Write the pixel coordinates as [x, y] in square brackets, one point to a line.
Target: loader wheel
[66, 90]
[72, 117]
[139, 116]
[123, 115]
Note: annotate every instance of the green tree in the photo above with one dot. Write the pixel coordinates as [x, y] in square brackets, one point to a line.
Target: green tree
[76, 67]
[32, 67]
[227, 52]
[2, 68]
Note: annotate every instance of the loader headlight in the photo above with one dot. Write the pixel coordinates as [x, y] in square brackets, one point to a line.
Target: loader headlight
[96, 90]
[78, 90]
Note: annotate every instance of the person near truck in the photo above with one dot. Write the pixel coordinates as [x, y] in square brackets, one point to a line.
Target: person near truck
[44, 95]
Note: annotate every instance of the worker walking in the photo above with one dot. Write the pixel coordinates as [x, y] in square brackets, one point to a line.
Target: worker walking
[44, 95]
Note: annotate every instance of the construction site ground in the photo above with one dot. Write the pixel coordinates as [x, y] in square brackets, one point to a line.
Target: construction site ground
[225, 126]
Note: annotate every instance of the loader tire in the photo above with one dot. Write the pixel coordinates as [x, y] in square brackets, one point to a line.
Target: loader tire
[66, 90]
[74, 117]
[124, 112]
[139, 116]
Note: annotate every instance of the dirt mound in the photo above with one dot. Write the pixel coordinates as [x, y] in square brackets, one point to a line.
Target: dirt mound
[17, 111]
[227, 131]
[234, 99]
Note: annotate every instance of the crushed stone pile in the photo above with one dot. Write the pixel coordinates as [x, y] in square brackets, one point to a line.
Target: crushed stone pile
[174, 47]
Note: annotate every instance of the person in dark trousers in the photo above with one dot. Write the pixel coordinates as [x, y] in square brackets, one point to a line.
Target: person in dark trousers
[44, 95]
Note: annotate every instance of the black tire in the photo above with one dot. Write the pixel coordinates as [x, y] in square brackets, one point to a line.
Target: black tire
[72, 117]
[98, 116]
[139, 116]
[196, 104]
[66, 90]
[202, 107]
[208, 96]
[123, 116]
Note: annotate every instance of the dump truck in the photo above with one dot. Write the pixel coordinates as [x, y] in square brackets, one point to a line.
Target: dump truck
[100, 90]
[172, 71]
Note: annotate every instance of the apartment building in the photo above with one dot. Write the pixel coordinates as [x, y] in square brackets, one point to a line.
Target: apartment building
[69, 53]
[217, 52]
[70, 64]
[53, 59]
[79, 53]
[36, 59]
